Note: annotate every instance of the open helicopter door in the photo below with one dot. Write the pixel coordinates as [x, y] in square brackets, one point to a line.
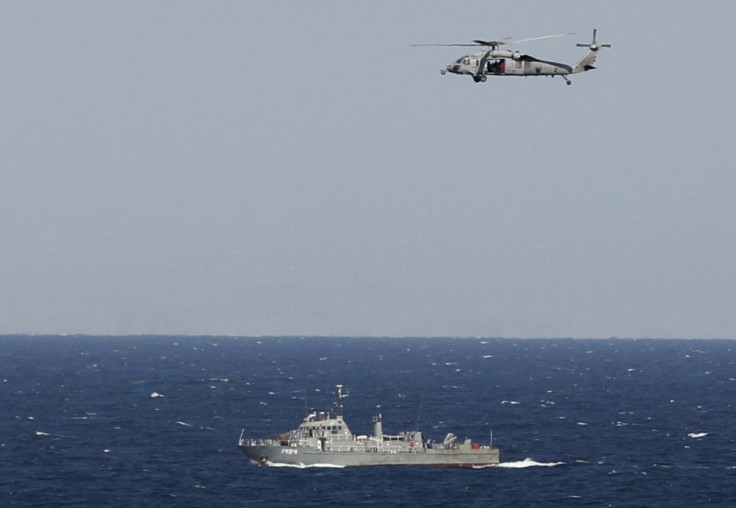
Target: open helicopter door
[496, 67]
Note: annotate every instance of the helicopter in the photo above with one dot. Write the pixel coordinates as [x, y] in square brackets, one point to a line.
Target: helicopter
[499, 62]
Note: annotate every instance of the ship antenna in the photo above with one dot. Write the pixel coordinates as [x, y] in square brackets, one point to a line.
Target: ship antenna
[419, 413]
[338, 402]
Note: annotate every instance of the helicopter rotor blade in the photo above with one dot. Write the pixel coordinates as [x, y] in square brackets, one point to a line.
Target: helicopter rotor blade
[544, 37]
[493, 43]
[475, 43]
[498, 42]
[465, 45]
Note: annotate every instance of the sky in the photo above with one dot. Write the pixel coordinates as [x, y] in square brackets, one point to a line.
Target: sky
[298, 168]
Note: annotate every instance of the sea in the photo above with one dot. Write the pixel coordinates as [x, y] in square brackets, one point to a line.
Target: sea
[155, 420]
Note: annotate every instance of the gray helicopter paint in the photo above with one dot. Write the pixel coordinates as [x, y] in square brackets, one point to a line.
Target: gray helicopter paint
[496, 62]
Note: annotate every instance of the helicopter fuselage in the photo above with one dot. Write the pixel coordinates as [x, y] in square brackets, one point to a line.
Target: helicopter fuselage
[505, 63]
[496, 62]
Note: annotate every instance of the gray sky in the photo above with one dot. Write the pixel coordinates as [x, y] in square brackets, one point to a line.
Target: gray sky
[274, 167]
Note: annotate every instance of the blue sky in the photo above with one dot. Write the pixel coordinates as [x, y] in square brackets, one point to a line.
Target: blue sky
[271, 168]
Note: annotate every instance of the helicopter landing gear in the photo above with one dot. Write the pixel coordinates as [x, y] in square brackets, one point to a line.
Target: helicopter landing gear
[567, 80]
[481, 78]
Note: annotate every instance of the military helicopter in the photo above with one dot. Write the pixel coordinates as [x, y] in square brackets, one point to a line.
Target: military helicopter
[498, 62]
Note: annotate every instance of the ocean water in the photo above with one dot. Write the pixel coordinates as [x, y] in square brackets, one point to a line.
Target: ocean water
[154, 421]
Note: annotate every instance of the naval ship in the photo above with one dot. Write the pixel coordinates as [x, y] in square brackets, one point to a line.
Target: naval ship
[323, 439]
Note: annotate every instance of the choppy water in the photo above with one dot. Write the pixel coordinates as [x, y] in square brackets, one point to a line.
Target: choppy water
[154, 421]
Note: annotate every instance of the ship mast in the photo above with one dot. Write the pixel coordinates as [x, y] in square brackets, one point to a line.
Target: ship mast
[338, 402]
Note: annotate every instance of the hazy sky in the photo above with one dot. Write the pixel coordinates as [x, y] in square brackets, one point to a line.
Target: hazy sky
[274, 167]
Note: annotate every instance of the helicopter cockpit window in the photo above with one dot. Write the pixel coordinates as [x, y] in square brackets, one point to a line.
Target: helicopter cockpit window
[466, 60]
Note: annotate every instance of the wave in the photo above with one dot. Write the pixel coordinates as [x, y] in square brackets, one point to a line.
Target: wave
[301, 465]
[527, 462]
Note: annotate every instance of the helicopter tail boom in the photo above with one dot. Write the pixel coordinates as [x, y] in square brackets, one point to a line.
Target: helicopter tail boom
[586, 63]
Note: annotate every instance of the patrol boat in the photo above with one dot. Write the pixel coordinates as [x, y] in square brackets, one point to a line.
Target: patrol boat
[325, 440]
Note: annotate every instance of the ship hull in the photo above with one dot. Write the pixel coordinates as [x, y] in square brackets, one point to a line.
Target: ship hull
[308, 457]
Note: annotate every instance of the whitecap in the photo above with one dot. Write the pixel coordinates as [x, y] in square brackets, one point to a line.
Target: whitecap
[301, 465]
[156, 395]
[582, 424]
[696, 435]
[184, 424]
[527, 462]
[40, 433]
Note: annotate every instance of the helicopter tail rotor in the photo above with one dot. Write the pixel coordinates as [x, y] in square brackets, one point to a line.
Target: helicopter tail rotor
[593, 46]
[586, 63]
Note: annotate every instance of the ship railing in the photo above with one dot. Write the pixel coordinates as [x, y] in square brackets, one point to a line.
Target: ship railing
[359, 447]
[259, 442]
[355, 446]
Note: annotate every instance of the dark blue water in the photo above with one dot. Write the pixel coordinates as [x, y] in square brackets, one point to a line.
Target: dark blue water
[578, 422]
